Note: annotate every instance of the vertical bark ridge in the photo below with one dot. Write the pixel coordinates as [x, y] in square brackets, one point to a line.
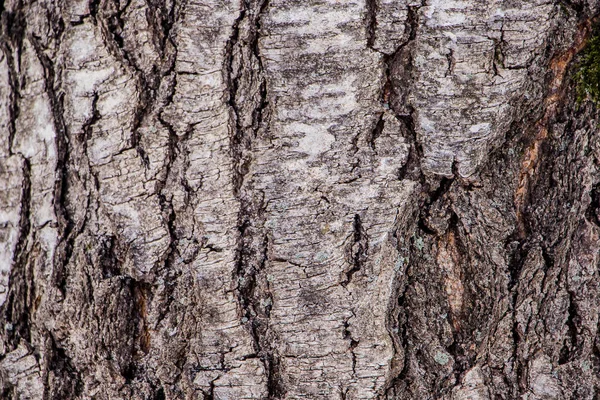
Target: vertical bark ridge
[66, 222]
[248, 99]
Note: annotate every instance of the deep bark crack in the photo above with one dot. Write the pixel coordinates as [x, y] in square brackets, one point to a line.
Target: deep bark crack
[243, 70]
[357, 250]
[353, 343]
[17, 308]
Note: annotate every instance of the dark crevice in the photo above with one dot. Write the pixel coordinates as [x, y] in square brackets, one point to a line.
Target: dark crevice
[592, 213]
[115, 26]
[411, 26]
[275, 388]
[159, 394]
[499, 57]
[412, 22]
[244, 274]
[451, 62]
[13, 28]
[517, 251]
[395, 95]
[255, 313]
[166, 206]
[244, 77]
[164, 308]
[93, 7]
[440, 191]
[88, 125]
[63, 379]
[237, 138]
[376, 132]
[396, 85]
[129, 373]
[344, 393]
[372, 9]
[352, 345]
[210, 394]
[547, 256]
[434, 196]
[242, 52]
[138, 296]
[17, 308]
[165, 202]
[569, 349]
[86, 134]
[8, 391]
[161, 20]
[11, 40]
[166, 23]
[141, 292]
[357, 250]
[578, 7]
[258, 113]
[412, 168]
[457, 352]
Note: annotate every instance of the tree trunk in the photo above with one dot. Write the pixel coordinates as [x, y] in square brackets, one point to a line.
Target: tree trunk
[284, 199]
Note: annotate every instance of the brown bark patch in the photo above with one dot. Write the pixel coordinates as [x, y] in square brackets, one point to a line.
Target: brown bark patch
[556, 93]
[448, 257]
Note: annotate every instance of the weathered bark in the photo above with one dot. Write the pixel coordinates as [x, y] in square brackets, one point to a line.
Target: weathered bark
[283, 199]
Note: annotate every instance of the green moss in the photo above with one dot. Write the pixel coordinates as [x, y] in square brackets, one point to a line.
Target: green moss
[587, 75]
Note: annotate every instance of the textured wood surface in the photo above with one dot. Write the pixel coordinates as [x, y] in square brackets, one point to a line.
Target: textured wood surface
[284, 199]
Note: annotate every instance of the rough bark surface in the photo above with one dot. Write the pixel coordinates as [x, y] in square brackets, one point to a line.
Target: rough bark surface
[285, 199]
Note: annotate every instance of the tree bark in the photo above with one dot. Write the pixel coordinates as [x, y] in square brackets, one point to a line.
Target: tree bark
[283, 199]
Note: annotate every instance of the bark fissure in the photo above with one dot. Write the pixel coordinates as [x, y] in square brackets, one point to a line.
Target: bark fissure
[592, 212]
[353, 343]
[395, 93]
[13, 27]
[376, 132]
[166, 204]
[17, 309]
[243, 71]
[358, 250]
[402, 323]
[371, 16]
[141, 293]
[63, 378]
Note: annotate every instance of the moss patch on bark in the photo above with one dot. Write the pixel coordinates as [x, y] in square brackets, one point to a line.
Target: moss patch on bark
[587, 71]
